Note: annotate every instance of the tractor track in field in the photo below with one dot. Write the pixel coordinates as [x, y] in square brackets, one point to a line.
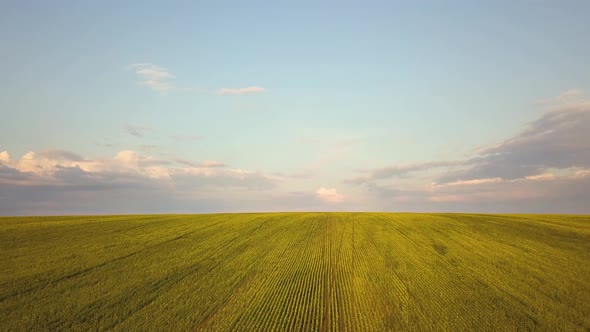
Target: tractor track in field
[327, 282]
[245, 279]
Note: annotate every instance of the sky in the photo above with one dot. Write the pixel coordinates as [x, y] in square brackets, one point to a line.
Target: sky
[114, 107]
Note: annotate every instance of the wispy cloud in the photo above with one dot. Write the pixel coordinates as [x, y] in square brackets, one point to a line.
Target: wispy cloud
[403, 170]
[203, 164]
[211, 164]
[544, 167]
[105, 145]
[241, 91]
[329, 195]
[566, 97]
[559, 139]
[137, 130]
[161, 80]
[153, 77]
[59, 155]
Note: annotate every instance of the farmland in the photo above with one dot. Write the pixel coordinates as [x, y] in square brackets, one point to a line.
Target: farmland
[295, 271]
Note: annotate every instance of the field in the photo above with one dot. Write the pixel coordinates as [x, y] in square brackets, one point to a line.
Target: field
[296, 271]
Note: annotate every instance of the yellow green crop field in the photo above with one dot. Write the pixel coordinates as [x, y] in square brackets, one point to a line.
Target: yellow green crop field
[296, 272]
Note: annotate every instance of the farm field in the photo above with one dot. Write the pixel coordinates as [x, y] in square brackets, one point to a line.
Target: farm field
[296, 272]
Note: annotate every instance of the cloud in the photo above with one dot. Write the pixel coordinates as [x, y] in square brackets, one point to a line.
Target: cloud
[211, 164]
[329, 195]
[480, 181]
[4, 157]
[9, 175]
[59, 155]
[564, 98]
[241, 91]
[61, 182]
[44, 162]
[570, 93]
[541, 168]
[545, 167]
[62, 169]
[559, 139]
[137, 130]
[153, 77]
[161, 80]
[204, 164]
[402, 170]
[541, 194]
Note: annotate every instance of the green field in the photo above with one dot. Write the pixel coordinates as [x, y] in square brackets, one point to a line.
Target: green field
[296, 271]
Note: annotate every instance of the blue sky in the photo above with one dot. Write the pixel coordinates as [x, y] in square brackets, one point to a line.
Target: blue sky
[113, 107]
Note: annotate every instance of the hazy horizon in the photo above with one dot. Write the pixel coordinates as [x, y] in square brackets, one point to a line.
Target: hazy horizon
[137, 108]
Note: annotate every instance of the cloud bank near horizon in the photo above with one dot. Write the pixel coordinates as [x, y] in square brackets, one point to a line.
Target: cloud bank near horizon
[543, 168]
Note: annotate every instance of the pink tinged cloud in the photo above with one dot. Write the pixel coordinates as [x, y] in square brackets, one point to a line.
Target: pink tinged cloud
[473, 182]
[54, 167]
[4, 157]
[542, 177]
[241, 91]
[329, 195]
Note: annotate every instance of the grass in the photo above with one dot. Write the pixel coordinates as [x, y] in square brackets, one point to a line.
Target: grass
[296, 271]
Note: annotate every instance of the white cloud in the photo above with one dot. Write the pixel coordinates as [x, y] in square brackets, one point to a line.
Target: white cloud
[44, 162]
[160, 79]
[153, 77]
[241, 91]
[329, 195]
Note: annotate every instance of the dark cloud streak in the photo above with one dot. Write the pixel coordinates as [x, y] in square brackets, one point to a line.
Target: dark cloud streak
[560, 139]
